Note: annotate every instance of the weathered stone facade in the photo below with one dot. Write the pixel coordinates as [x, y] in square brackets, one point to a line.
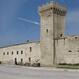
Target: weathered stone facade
[21, 53]
[52, 27]
[67, 50]
[54, 47]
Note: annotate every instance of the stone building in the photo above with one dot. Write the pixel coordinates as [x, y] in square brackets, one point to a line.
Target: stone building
[54, 47]
[25, 53]
[52, 28]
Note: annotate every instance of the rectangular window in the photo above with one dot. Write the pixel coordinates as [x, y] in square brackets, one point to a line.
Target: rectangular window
[4, 53]
[21, 52]
[12, 52]
[17, 52]
[7, 53]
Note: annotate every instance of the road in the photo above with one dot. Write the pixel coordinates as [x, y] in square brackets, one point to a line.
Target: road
[21, 72]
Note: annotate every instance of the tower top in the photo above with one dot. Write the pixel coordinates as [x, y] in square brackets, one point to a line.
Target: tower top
[52, 5]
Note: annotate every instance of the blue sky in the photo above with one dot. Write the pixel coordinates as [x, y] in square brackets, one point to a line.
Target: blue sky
[19, 20]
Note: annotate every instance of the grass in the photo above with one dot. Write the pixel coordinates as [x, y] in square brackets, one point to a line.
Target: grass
[68, 66]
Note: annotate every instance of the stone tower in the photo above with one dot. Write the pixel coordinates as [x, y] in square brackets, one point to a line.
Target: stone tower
[52, 20]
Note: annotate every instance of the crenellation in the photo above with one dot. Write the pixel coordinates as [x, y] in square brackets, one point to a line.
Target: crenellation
[52, 5]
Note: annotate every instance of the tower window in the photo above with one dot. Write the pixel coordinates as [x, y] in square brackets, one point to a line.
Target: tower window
[46, 30]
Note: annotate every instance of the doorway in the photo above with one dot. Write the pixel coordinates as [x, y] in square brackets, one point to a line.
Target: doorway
[15, 61]
[21, 61]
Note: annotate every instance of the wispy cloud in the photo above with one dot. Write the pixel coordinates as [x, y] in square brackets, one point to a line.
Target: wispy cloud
[29, 21]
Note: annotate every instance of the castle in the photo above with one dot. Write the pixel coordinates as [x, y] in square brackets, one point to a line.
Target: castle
[54, 47]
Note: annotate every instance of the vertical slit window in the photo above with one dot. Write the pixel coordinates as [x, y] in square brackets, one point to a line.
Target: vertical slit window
[46, 30]
[12, 52]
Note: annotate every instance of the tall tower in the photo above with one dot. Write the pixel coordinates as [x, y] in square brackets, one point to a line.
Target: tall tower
[52, 20]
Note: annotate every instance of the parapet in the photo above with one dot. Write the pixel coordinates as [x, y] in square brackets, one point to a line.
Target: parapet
[54, 6]
[73, 37]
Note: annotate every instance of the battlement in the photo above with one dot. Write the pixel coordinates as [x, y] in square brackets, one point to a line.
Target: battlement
[75, 38]
[56, 7]
[68, 37]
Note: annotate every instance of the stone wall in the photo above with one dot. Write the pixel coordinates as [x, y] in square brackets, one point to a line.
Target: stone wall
[67, 50]
[52, 18]
[46, 38]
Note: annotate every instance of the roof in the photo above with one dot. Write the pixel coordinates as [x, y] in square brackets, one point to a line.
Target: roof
[28, 42]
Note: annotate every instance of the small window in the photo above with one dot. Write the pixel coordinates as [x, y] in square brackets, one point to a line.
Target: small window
[12, 52]
[77, 50]
[61, 35]
[51, 7]
[46, 30]
[4, 53]
[76, 37]
[21, 52]
[70, 51]
[7, 53]
[17, 52]
[30, 49]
